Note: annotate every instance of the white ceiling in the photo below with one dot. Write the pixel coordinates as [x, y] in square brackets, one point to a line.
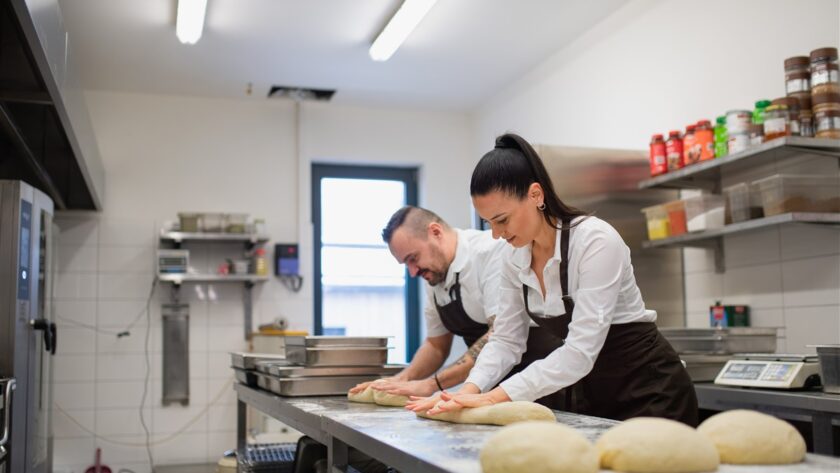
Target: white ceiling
[459, 55]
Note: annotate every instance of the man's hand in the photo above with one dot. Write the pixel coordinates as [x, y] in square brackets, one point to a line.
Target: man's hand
[420, 387]
[362, 386]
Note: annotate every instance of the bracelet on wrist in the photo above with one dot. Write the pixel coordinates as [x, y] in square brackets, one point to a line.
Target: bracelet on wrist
[437, 381]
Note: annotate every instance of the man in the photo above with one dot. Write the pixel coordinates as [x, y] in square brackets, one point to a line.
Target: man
[462, 270]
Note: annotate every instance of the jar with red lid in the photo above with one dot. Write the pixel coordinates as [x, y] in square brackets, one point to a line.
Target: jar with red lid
[704, 137]
[674, 151]
[658, 163]
[691, 154]
[825, 76]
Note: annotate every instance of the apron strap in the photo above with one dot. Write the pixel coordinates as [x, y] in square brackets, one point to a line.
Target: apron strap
[565, 236]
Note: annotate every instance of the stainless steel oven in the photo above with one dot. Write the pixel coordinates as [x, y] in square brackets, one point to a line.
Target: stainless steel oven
[28, 333]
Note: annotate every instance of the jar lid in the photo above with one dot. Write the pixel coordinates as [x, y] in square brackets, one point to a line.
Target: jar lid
[797, 61]
[797, 75]
[704, 123]
[762, 103]
[776, 107]
[656, 137]
[721, 120]
[789, 102]
[690, 128]
[823, 53]
[674, 133]
[827, 97]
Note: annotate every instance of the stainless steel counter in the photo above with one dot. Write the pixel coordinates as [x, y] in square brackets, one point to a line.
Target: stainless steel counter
[409, 444]
[820, 409]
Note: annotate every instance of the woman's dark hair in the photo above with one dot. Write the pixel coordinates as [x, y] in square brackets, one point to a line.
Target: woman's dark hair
[511, 167]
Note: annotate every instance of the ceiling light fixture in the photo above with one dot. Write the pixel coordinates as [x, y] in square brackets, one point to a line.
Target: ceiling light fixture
[409, 15]
[190, 20]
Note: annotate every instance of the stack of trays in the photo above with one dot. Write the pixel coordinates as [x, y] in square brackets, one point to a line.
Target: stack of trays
[317, 366]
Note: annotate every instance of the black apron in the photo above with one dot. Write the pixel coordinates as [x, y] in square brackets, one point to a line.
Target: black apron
[637, 373]
[540, 342]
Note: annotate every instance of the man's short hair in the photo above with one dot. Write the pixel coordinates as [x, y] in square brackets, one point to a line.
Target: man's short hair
[415, 219]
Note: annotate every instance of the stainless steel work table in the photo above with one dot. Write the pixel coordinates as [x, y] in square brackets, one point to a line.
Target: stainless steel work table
[399, 439]
[820, 409]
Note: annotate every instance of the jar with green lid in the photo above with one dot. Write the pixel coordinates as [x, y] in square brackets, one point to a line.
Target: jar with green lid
[758, 112]
[827, 124]
[776, 122]
[721, 137]
[825, 72]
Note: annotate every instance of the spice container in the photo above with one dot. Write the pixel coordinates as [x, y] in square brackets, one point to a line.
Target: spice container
[825, 76]
[783, 193]
[691, 155]
[806, 123]
[260, 263]
[793, 112]
[738, 142]
[756, 134]
[704, 212]
[212, 222]
[235, 223]
[676, 217]
[738, 121]
[758, 112]
[704, 138]
[658, 225]
[825, 102]
[776, 122]
[189, 221]
[658, 164]
[827, 124]
[743, 202]
[797, 74]
[674, 151]
[721, 147]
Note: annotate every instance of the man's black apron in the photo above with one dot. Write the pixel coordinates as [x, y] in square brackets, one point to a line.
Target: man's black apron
[637, 373]
[540, 342]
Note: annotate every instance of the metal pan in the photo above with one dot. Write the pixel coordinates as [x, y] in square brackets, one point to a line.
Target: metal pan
[247, 361]
[337, 356]
[248, 378]
[330, 341]
[285, 371]
[318, 386]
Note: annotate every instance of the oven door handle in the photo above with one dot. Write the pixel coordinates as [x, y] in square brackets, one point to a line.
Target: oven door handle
[9, 387]
[44, 326]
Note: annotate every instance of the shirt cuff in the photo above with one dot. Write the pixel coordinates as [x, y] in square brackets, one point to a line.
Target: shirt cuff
[479, 380]
[516, 389]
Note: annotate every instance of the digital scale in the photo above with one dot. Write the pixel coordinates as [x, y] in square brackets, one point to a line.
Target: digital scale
[768, 370]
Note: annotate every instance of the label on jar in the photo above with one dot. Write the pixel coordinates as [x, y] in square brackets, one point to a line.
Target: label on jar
[797, 85]
[774, 126]
[738, 142]
[828, 123]
[658, 164]
[824, 76]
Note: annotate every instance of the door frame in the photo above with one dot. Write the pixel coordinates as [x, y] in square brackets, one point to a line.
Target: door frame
[408, 175]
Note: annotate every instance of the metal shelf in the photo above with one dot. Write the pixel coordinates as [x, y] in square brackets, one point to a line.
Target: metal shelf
[707, 174]
[211, 278]
[203, 236]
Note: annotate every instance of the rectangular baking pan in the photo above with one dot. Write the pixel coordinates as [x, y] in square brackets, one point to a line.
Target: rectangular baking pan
[354, 356]
[247, 361]
[317, 386]
[331, 341]
[285, 371]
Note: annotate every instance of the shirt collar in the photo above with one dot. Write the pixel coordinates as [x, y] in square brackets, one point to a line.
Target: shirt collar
[522, 256]
[462, 256]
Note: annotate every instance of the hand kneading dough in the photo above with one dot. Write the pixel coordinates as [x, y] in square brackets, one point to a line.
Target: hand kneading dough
[503, 413]
[364, 396]
[545, 447]
[653, 445]
[752, 438]
[385, 399]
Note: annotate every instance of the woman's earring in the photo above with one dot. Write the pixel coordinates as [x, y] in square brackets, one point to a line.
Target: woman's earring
[541, 206]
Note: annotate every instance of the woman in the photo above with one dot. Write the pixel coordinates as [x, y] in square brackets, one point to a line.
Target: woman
[571, 274]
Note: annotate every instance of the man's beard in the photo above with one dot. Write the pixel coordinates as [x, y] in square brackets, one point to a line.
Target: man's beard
[437, 277]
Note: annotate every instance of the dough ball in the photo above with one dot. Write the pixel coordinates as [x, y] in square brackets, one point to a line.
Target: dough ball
[503, 413]
[752, 438]
[364, 396]
[654, 445]
[538, 446]
[383, 398]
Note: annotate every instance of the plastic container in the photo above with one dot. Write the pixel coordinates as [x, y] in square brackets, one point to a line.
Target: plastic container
[776, 122]
[738, 142]
[756, 134]
[235, 223]
[827, 124]
[806, 123]
[674, 151]
[705, 212]
[825, 76]
[658, 225]
[704, 137]
[829, 356]
[744, 203]
[758, 111]
[212, 222]
[676, 217]
[189, 221]
[738, 121]
[658, 163]
[260, 262]
[721, 148]
[690, 154]
[784, 193]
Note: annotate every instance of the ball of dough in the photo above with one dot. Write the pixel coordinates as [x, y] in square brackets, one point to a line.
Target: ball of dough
[538, 446]
[653, 445]
[383, 398]
[752, 438]
[364, 396]
[503, 413]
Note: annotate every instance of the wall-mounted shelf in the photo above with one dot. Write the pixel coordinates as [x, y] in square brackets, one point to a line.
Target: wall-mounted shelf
[714, 238]
[211, 278]
[179, 237]
[707, 175]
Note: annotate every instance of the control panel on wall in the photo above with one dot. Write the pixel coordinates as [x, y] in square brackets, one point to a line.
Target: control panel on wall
[287, 265]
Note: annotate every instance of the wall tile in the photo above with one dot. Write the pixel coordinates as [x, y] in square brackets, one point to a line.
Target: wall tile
[185, 448]
[122, 422]
[64, 427]
[756, 286]
[70, 311]
[811, 325]
[119, 314]
[219, 442]
[753, 248]
[702, 290]
[125, 456]
[811, 282]
[75, 286]
[221, 338]
[78, 230]
[77, 258]
[127, 259]
[221, 418]
[127, 232]
[197, 365]
[121, 367]
[125, 286]
[199, 394]
[808, 241]
[76, 340]
[173, 418]
[74, 450]
[122, 394]
[74, 368]
[76, 395]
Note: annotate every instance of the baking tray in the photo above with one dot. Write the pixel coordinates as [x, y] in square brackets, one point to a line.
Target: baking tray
[316, 386]
[247, 361]
[332, 341]
[286, 371]
[351, 356]
[722, 340]
[248, 378]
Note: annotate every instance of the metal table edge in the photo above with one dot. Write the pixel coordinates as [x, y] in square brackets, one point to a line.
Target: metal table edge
[276, 407]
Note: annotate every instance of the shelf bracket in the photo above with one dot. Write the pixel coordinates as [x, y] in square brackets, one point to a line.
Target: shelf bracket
[720, 256]
[248, 310]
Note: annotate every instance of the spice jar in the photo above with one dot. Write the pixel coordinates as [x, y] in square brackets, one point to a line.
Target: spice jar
[825, 76]
[704, 138]
[797, 74]
[756, 134]
[758, 112]
[721, 147]
[738, 142]
[793, 112]
[658, 164]
[776, 122]
[690, 154]
[826, 101]
[827, 124]
[674, 151]
[806, 122]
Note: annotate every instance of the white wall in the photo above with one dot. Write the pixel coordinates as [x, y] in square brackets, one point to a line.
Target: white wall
[658, 65]
[165, 154]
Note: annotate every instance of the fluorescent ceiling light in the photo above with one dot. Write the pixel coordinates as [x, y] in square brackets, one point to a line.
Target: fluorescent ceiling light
[409, 15]
[190, 20]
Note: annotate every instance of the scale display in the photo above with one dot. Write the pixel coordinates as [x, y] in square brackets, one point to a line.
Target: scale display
[768, 374]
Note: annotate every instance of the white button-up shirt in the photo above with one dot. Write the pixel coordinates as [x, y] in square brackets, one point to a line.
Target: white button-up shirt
[478, 260]
[602, 284]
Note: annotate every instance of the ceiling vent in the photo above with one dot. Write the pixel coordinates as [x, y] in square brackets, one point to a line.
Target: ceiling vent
[300, 93]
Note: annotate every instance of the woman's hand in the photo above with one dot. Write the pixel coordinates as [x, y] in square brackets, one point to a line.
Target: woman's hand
[454, 402]
[418, 388]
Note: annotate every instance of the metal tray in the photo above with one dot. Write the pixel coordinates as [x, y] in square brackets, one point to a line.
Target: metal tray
[354, 356]
[704, 367]
[318, 386]
[722, 341]
[248, 378]
[331, 341]
[285, 371]
[247, 361]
